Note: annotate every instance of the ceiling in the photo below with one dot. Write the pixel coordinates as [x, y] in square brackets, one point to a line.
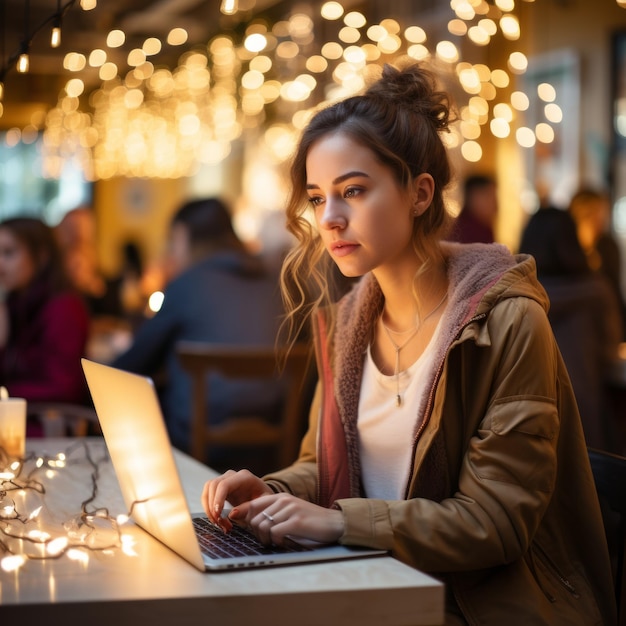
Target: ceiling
[82, 31]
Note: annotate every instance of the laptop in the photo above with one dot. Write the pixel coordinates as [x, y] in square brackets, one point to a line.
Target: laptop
[134, 430]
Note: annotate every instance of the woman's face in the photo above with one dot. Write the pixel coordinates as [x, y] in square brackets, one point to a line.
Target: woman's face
[364, 216]
[17, 267]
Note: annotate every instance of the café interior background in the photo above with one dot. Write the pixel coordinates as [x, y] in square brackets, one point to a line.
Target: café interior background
[143, 104]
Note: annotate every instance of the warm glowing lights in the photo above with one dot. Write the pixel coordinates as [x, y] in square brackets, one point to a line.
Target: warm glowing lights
[518, 63]
[525, 137]
[463, 9]
[287, 50]
[332, 50]
[177, 37]
[447, 51]
[471, 151]
[500, 127]
[553, 113]
[88, 5]
[23, 63]
[74, 87]
[520, 101]
[470, 80]
[355, 55]
[331, 10]
[316, 63]
[546, 92]
[97, 58]
[415, 34]
[479, 36]
[503, 111]
[255, 42]
[55, 37]
[151, 46]
[544, 133]
[116, 38]
[229, 7]
[505, 5]
[74, 62]
[499, 78]
[12, 562]
[457, 27]
[355, 19]
[149, 121]
[348, 34]
[510, 27]
[108, 72]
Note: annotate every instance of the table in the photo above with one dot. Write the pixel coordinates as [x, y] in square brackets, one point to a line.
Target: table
[158, 587]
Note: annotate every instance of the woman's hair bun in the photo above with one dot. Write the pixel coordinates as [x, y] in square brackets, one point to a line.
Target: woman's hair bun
[414, 88]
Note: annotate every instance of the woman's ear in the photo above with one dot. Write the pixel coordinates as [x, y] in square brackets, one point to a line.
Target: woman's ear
[423, 189]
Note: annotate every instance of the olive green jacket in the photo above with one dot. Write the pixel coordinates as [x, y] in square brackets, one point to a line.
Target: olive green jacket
[500, 502]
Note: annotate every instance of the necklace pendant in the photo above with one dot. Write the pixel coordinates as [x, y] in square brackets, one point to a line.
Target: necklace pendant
[398, 400]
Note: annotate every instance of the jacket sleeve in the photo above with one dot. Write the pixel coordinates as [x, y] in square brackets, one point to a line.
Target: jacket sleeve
[58, 375]
[508, 465]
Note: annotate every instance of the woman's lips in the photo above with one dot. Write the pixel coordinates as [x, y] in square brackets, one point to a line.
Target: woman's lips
[343, 248]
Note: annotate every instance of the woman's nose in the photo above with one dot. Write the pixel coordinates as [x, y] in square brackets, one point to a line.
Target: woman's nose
[333, 214]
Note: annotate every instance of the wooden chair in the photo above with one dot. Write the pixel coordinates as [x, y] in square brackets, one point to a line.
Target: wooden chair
[63, 419]
[609, 473]
[241, 362]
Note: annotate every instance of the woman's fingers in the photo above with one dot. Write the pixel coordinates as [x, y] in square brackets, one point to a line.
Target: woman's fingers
[234, 487]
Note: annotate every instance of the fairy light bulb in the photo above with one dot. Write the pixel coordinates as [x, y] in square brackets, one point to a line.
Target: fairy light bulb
[23, 63]
[229, 7]
[55, 36]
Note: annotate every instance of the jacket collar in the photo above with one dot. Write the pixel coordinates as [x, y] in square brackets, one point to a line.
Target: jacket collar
[479, 276]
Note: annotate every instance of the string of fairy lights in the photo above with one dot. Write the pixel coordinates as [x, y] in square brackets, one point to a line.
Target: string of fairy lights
[25, 535]
[264, 81]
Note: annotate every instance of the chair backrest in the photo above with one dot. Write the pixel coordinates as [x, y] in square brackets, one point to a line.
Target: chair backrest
[63, 419]
[251, 362]
[609, 473]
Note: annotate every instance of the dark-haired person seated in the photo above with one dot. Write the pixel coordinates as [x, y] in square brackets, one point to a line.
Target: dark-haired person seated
[44, 322]
[217, 292]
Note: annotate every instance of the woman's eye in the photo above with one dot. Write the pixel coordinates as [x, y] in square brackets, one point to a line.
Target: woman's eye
[315, 200]
[351, 192]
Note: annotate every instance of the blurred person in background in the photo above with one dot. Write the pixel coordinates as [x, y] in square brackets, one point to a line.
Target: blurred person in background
[44, 321]
[216, 291]
[476, 221]
[76, 234]
[584, 314]
[591, 210]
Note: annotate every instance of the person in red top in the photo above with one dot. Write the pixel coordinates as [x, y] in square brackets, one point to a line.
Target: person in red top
[44, 323]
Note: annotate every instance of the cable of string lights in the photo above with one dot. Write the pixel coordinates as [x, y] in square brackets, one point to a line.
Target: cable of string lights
[28, 530]
[18, 59]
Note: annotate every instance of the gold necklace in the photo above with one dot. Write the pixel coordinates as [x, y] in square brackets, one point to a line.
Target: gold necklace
[398, 348]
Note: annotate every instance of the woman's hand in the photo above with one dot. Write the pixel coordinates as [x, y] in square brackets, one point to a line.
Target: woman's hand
[236, 487]
[279, 517]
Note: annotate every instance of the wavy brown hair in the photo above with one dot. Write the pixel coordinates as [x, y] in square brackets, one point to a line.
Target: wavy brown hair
[399, 118]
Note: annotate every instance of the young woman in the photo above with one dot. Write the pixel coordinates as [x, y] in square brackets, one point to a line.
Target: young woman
[444, 427]
[44, 322]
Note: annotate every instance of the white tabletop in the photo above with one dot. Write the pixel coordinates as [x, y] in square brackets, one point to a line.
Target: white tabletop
[152, 584]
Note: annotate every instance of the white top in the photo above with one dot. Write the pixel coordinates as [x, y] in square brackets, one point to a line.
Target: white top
[385, 430]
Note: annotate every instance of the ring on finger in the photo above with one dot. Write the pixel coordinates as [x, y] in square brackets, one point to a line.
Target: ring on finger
[267, 516]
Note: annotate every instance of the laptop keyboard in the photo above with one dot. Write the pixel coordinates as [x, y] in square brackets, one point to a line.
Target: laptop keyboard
[238, 542]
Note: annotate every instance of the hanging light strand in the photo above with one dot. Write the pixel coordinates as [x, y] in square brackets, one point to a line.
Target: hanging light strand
[20, 58]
